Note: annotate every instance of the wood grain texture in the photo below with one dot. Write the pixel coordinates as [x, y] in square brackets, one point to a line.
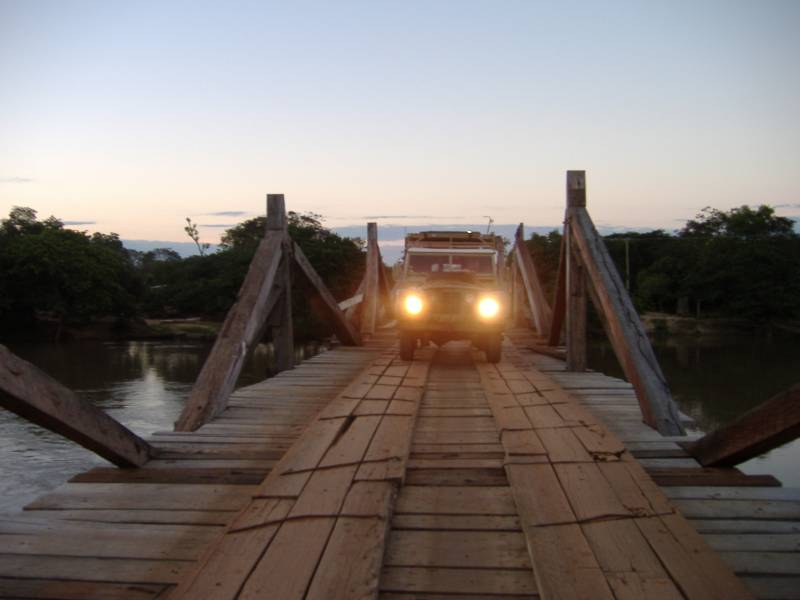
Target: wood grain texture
[37, 397]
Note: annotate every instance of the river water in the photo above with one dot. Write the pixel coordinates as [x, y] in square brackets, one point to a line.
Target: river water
[144, 385]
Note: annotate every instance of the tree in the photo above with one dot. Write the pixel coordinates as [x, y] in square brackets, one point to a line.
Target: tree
[73, 276]
[743, 223]
[191, 231]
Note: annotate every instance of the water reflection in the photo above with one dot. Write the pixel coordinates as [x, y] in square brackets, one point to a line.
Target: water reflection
[141, 384]
[715, 379]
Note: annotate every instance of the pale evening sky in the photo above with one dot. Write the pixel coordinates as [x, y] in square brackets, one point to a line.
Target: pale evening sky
[130, 116]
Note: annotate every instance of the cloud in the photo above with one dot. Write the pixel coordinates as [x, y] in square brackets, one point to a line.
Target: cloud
[216, 224]
[79, 222]
[796, 205]
[226, 213]
[16, 180]
[402, 217]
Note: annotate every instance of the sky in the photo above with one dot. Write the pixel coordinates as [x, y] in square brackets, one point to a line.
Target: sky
[128, 117]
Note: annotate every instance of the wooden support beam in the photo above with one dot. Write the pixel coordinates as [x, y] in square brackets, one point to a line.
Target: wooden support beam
[283, 332]
[628, 338]
[767, 426]
[352, 312]
[37, 397]
[540, 309]
[344, 329]
[560, 295]
[352, 301]
[241, 332]
[575, 310]
[369, 314]
[385, 289]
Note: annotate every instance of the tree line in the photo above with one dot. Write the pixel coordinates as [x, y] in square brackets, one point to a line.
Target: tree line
[51, 273]
[741, 263]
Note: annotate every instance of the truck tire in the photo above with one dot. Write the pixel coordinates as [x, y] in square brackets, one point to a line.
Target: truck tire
[494, 348]
[408, 344]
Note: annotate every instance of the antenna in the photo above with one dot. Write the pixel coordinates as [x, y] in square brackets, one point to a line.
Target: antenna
[489, 226]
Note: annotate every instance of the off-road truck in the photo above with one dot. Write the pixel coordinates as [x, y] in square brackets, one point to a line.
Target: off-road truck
[449, 289]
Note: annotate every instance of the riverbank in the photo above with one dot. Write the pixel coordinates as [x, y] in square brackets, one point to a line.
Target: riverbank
[663, 323]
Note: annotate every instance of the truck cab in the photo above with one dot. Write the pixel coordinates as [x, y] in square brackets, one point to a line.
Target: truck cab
[450, 289]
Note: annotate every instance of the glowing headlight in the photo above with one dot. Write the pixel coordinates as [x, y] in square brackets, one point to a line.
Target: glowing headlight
[488, 308]
[413, 304]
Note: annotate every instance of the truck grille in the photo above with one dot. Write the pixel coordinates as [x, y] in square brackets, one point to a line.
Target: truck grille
[447, 302]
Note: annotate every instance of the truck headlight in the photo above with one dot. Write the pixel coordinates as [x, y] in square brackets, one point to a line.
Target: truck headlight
[488, 308]
[413, 304]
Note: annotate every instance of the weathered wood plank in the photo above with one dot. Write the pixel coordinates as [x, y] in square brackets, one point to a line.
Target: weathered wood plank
[39, 398]
[769, 425]
[625, 330]
[240, 332]
[343, 328]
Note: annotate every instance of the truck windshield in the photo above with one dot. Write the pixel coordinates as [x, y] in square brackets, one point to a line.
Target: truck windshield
[474, 263]
[436, 263]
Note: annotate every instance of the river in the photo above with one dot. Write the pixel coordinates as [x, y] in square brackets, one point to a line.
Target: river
[144, 385]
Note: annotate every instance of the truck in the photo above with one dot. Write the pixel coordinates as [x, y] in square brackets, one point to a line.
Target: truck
[450, 288]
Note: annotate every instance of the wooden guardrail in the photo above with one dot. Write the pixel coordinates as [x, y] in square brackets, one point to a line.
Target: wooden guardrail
[37, 397]
[767, 426]
[587, 271]
[264, 300]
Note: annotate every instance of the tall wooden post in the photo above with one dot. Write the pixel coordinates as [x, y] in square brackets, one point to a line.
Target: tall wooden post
[624, 328]
[369, 316]
[576, 280]
[283, 330]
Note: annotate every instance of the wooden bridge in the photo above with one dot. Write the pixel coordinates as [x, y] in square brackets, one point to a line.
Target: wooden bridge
[357, 475]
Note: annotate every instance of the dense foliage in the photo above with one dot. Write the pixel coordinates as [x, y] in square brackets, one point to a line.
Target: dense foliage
[47, 270]
[741, 263]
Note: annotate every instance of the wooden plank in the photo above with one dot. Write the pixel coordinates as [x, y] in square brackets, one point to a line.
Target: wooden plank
[560, 296]
[562, 445]
[288, 565]
[576, 314]
[456, 522]
[113, 570]
[476, 549]
[343, 328]
[696, 569]
[369, 314]
[631, 567]
[476, 582]
[542, 314]
[210, 518]
[352, 301]
[144, 496]
[324, 493]
[456, 477]
[455, 500]
[564, 564]
[350, 447]
[538, 496]
[351, 565]
[45, 589]
[767, 426]
[37, 397]
[625, 330]
[240, 332]
[224, 569]
[588, 492]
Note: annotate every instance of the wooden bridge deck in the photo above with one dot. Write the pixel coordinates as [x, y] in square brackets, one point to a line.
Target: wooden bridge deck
[357, 474]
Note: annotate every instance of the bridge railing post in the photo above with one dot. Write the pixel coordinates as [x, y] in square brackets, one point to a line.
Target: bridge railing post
[575, 280]
[531, 285]
[620, 319]
[281, 319]
[264, 300]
